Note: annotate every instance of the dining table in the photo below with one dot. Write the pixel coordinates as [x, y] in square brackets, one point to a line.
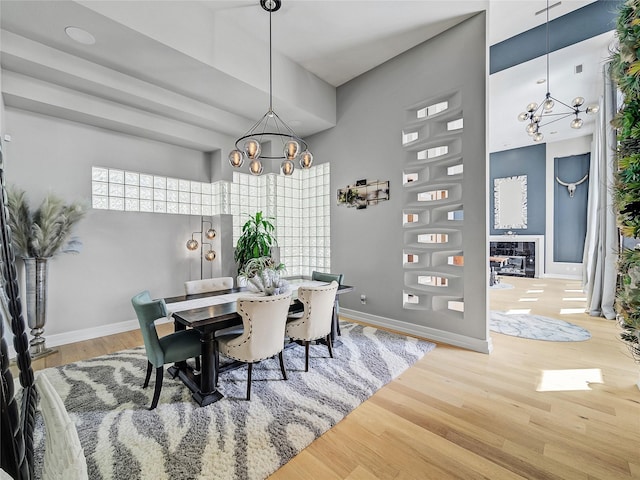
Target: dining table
[211, 312]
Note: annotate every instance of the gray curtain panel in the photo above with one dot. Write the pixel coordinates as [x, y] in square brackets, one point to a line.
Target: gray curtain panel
[601, 242]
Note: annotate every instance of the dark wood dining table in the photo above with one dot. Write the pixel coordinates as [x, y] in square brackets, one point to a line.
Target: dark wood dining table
[208, 319]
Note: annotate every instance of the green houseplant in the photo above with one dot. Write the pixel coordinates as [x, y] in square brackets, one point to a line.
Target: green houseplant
[625, 70]
[256, 240]
[38, 236]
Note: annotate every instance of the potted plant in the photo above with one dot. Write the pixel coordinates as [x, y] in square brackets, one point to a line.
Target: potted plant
[625, 70]
[256, 240]
[38, 236]
[262, 274]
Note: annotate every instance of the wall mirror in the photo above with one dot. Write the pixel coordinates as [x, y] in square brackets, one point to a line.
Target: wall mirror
[510, 202]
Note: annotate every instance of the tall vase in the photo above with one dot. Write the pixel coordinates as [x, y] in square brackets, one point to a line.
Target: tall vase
[36, 273]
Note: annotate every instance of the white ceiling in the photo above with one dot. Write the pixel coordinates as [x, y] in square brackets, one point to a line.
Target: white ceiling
[212, 62]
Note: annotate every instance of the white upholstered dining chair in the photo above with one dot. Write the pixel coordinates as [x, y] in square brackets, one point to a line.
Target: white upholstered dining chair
[263, 320]
[207, 285]
[315, 322]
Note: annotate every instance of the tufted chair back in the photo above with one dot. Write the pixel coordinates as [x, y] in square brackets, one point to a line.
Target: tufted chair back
[264, 320]
[318, 312]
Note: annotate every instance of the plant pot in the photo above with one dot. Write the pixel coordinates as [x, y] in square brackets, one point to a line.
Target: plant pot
[36, 274]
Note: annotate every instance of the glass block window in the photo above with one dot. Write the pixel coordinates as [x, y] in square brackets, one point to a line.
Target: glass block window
[300, 205]
[114, 189]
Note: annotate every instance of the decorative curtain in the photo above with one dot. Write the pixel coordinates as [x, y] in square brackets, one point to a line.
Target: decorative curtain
[601, 243]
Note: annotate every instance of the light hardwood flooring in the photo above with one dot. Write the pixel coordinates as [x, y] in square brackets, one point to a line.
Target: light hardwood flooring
[458, 414]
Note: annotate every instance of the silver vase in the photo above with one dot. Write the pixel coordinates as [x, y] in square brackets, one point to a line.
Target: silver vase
[36, 272]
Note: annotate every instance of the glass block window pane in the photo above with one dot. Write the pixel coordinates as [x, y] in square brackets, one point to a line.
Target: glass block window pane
[99, 202]
[131, 178]
[99, 174]
[172, 196]
[172, 184]
[116, 190]
[146, 193]
[160, 182]
[131, 191]
[146, 180]
[146, 205]
[116, 203]
[116, 176]
[100, 188]
[132, 204]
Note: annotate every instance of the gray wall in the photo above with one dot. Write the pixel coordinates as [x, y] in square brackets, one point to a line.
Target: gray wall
[366, 245]
[529, 161]
[123, 252]
[570, 213]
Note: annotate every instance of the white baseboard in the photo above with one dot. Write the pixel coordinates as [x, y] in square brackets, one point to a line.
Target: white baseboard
[88, 334]
[475, 344]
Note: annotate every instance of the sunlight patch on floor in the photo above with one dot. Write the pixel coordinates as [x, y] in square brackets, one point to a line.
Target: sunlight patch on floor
[574, 299]
[518, 311]
[539, 284]
[528, 299]
[569, 380]
[569, 311]
[535, 291]
[574, 290]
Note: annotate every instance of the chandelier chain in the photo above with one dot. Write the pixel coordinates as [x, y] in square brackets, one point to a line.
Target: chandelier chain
[270, 129]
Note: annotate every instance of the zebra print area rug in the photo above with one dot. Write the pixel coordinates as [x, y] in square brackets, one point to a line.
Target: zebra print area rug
[232, 438]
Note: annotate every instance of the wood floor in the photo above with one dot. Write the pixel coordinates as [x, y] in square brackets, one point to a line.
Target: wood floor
[464, 415]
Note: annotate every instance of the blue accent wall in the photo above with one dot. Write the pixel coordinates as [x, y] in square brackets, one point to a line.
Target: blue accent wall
[529, 161]
[570, 213]
[593, 19]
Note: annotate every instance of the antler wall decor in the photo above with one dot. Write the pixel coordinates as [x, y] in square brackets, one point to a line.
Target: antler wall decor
[572, 186]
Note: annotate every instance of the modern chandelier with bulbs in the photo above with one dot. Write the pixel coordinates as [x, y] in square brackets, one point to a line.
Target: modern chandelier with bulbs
[539, 115]
[270, 128]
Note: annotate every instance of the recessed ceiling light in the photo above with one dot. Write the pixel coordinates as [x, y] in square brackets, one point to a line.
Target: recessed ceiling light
[542, 80]
[80, 35]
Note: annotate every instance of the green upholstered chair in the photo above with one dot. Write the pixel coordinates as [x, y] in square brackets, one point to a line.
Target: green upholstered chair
[330, 277]
[175, 347]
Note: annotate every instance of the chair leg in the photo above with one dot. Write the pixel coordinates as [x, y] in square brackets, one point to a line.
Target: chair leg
[306, 355]
[146, 380]
[156, 392]
[329, 344]
[284, 371]
[197, 363]
[250, 365]
[216, 365]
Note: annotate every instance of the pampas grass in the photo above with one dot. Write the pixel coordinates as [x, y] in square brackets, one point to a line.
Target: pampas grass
[45, 232]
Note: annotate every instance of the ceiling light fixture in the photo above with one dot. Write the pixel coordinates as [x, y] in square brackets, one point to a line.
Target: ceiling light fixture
[540, 115]
[270, 128]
